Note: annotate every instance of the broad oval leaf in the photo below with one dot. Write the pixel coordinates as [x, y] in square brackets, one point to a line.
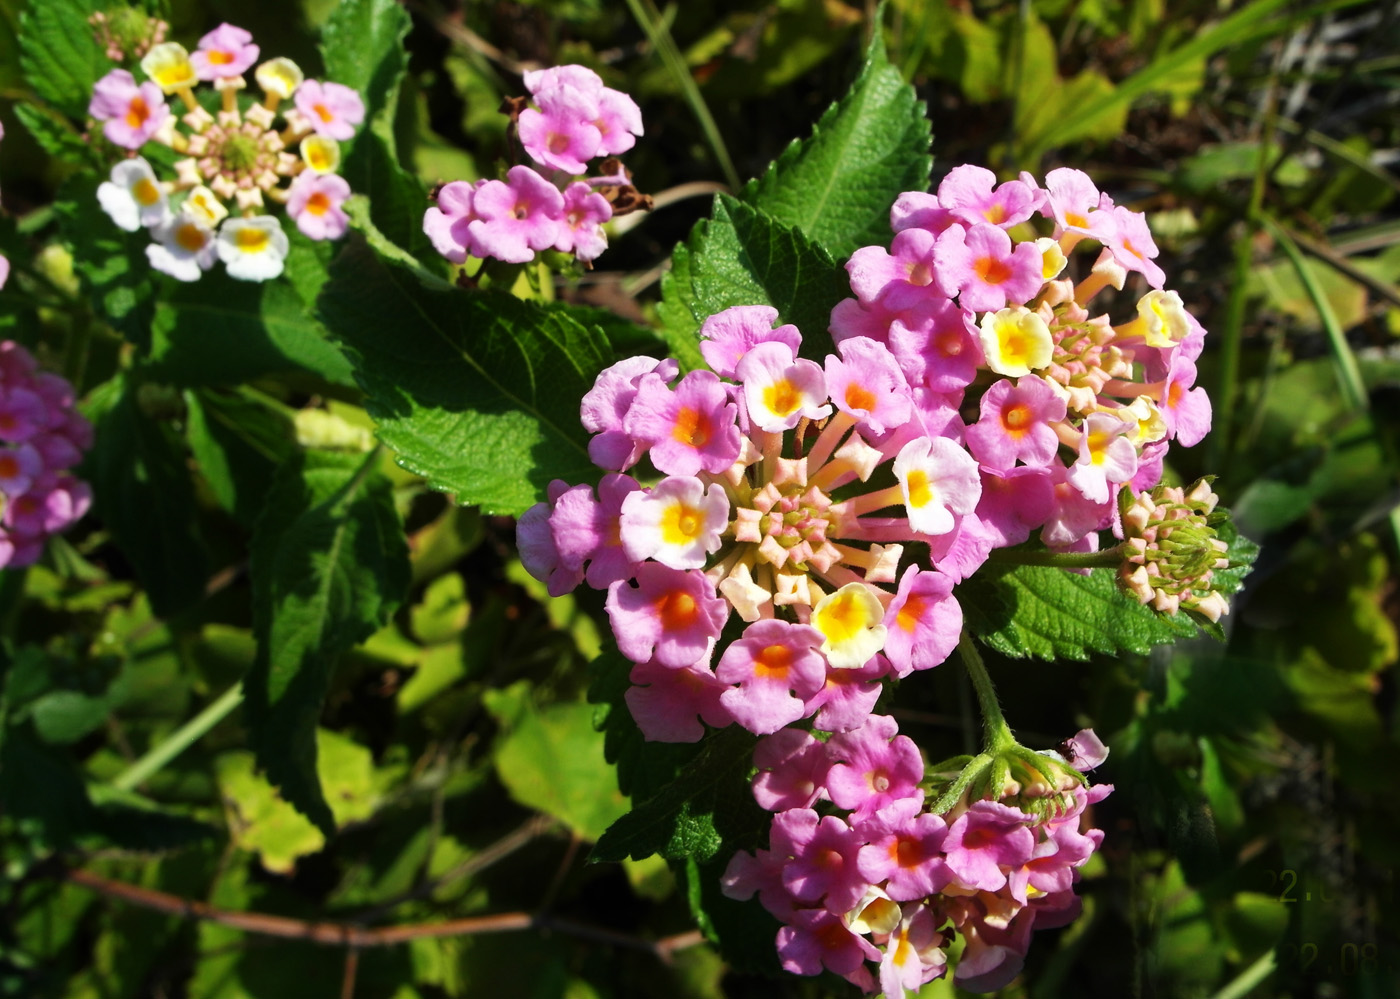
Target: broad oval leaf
[478, 392]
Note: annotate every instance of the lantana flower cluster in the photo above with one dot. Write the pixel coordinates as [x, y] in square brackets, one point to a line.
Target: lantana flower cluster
[42, 436]
[235, 159]
[570, 119]
[880, 878]
[823, 510]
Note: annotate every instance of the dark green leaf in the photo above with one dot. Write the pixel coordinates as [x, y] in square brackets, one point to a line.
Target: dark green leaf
[59, 53]
[691, 816]
[222, 331]
[142, 492]
[112, 263]
[477, 392]
[744, 257]
[643, 768]
[397, 199]
[329, 564]
[837, 185]
[239, 444]
[743, 931]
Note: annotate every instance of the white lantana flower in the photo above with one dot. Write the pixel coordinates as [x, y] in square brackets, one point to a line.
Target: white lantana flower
[133, 197]
[185, 247]
[253, 249]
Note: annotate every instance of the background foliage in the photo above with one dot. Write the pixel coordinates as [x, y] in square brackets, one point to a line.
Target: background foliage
[235, 683]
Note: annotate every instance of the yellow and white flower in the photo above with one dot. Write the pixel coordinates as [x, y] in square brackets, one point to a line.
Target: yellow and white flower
[184, 248]
[133, 197]
[253, 249]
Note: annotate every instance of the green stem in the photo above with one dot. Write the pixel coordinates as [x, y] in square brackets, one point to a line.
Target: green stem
[1348, 373]
[1109, 558]
[179, 740]
[660, 37]
[998, 733]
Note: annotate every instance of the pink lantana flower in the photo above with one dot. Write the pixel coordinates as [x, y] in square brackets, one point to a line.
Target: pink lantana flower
[904, 851]
[971, 195]
[1131, 243]
[561, 135]
[866, 384]
[314, 202]
[1016, 423]
[899, 278]
[331, 109]
[678, 522]
[939, 481]
[605, 406]
[777, 667]
[726, 336]
[516, 217]
[672, 615]
[922, 622]
[792, 768]
[581, 230]
[665, 701]
[878, 767]
[130, 114]
[225, 52]
[985, 841]
[688, 429]
[780, 391]
[823, 858]
[447, 223]
[982, 267]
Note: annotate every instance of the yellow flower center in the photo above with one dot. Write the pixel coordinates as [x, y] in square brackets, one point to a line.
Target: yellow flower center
[782, 397]
[681, 524]
[251, 240]
[190, 237]
[145, 192]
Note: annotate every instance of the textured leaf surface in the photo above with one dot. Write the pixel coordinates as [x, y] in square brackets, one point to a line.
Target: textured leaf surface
[329, 565]
[1047, 613]
[362, 47]
[689, 817]
[477, 392]
[142, 492]
[742, 256]
[838, 184]
[59, 54]
[221, 331]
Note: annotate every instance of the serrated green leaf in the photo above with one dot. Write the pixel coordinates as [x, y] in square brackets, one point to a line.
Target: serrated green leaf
[54, 134]
[1046, 613]
[837, 185]
[362, 45]
[742, 256]
[142, 492]
[222, 331]
[477, 392]
[690, 816]
[1054, 614]
[329, 565]
[59, 53]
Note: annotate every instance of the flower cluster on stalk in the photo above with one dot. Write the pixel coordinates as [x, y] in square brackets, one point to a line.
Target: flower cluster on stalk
[42, 436]
[235, 158]
[570, 119]
[975, 399]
